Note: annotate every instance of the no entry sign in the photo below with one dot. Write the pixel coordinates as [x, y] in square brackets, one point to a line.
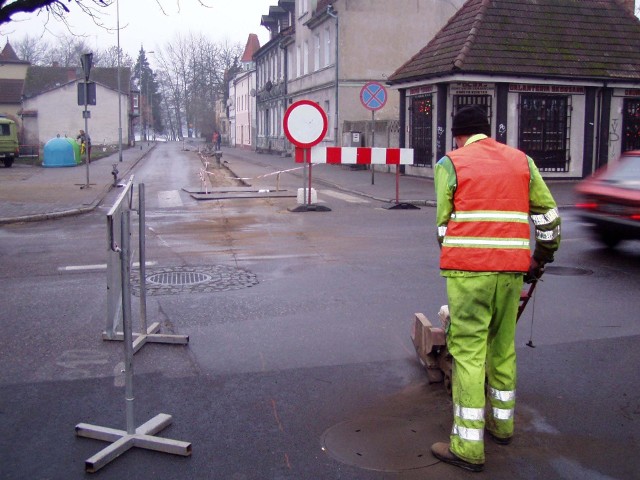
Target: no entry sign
[305, 124]
[373, 96]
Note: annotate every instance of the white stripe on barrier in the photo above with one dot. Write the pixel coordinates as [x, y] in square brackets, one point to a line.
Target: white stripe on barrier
[357, 155]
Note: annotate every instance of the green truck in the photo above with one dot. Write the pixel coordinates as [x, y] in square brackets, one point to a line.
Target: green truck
[9, 146]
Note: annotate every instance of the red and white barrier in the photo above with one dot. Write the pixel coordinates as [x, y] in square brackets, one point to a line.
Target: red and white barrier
[357, 155]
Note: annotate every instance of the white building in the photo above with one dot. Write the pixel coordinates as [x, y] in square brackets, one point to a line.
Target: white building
[244, 99]
[50, 105]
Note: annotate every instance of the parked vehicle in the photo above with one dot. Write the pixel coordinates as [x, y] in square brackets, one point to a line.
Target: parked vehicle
[9, 146]
[609, 200]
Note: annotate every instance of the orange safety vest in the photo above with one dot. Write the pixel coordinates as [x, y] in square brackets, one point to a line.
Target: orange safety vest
[489, 228]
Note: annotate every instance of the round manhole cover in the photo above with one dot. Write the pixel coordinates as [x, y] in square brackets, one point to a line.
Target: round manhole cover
[201, 279]
[567, 271]
[386, 444]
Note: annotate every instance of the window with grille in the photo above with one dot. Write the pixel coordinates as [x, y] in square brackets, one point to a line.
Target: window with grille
[483, 101]
[631, 125]
[545, 123]
[421, 129]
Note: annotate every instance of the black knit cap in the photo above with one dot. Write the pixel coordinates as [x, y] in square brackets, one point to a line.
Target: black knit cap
[470, 120]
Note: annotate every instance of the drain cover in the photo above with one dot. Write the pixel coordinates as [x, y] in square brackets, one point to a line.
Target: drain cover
[178, 278]
[201, 279]
[386, 444]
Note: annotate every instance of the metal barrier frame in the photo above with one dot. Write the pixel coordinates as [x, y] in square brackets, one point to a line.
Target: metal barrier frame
[114, 306]
[143, 436]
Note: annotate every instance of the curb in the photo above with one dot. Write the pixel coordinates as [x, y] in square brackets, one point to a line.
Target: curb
[75, 211]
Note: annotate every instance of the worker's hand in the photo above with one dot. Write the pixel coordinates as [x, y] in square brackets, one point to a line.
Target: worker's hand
[536, 269]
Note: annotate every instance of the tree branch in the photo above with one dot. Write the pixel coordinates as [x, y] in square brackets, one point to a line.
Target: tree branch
[58, 8]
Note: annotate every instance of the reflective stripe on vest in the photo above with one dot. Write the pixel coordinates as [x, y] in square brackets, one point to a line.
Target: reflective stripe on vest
[489, 229]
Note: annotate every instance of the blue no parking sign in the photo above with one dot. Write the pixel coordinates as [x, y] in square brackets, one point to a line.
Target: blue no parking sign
[373, 96]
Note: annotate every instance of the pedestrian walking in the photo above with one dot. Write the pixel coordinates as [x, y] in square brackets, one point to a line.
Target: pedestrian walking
[85, 144]
[486, 192]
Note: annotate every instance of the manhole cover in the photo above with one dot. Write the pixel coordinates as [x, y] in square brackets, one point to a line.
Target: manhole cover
[201, 279]
[567, 271]
[386, 444]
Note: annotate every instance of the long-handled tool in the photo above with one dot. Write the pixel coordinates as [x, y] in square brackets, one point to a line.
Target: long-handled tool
[430, 342]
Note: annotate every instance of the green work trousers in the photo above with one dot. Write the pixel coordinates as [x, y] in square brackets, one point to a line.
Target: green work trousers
[481, 339]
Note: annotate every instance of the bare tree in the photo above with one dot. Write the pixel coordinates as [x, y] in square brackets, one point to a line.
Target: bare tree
[58, 9]
[68, 51]
[197, 72]
[109, 58]
[32, 49]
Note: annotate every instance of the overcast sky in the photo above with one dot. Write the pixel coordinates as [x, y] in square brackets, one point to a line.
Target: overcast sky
[143, 23]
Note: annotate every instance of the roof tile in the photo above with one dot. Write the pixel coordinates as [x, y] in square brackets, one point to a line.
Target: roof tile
[567, 38]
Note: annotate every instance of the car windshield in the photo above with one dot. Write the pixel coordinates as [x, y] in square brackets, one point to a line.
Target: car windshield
[625, 175]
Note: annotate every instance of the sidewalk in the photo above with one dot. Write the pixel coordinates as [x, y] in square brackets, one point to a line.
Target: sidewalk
[380, 186]
[30, 193]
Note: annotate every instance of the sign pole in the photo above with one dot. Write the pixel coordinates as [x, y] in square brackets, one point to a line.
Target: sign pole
[304, 171]
[86, 60]
[373, 142]
[305, 125]
[306, 150]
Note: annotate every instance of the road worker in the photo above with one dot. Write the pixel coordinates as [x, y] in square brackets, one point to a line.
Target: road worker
[486, 191]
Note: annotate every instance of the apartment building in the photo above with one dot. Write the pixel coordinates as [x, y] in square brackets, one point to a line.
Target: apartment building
[326, 51]
[559, 79]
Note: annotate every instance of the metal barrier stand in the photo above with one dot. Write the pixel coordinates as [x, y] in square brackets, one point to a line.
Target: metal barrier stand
[143, 436]
[147, 334]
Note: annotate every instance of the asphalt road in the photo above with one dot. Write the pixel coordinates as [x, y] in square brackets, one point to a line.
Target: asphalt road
[299, 364]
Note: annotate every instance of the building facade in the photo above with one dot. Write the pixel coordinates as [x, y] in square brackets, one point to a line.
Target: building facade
[326, 51]
[12, 74]
[559, 79]
[244, 98]
[271, 78]
[50, 105]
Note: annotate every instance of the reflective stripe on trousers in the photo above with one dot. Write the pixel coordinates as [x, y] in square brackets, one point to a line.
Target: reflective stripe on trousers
[483, 312]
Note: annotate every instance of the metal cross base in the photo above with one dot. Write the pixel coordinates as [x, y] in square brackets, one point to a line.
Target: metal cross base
[151, 336]
[401, 206]
[123, 441]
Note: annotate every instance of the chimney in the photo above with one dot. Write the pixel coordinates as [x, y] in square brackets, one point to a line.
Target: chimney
[630, 5]
[55, 64]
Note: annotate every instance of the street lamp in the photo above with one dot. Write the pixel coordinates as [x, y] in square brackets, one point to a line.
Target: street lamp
[119, 87]
[148, 109]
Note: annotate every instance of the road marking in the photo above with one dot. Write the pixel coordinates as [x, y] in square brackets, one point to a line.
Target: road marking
[169, 199]
[98, 266]
[343, 196]
[77, 363]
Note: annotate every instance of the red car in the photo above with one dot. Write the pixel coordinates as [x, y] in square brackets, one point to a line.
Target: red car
[609, 200]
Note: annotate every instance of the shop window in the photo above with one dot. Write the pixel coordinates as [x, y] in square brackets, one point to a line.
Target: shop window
[631, 125]
[422, 129]
[545, 123]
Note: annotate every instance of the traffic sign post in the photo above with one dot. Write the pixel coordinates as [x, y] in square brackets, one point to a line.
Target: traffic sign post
[305, 125]
[373, 96]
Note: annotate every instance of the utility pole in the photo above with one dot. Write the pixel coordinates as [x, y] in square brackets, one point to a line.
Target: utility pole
[86, 60]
